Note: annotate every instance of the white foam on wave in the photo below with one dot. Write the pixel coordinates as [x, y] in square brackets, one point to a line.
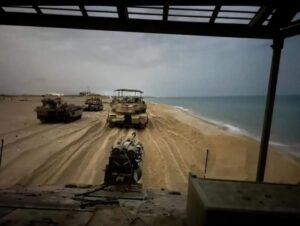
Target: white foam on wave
[223, 125]
[277, 144]
[234, 129]
[239, 131]
[291, 149]
[231, 128]
[183, 109]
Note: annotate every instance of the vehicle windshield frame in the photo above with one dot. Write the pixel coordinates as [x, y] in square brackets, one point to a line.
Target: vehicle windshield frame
[128, 93]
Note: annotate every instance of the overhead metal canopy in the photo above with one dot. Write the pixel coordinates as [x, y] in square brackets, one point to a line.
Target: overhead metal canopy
[263, 19]
[129, 90]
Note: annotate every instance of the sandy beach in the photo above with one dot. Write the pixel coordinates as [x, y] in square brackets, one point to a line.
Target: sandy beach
[175, 144]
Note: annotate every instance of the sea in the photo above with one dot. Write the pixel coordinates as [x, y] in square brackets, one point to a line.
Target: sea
[245, 114]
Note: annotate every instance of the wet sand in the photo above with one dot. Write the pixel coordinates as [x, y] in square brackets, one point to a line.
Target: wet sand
[175, 143]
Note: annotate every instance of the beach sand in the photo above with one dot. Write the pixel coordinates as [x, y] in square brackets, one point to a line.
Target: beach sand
[175, 143]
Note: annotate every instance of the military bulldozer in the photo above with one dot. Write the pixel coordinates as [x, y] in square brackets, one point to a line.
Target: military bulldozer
[54, 110]
[93, 104]
[128, 109]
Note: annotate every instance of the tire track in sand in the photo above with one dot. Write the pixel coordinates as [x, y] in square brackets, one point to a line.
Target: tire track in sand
[98, 157]
[85, 164]
[175, 170]
[22, 168]
[170, 141]
[155, 167]
[10, 157]
[189, 153]
[49, 129]
[20, 139]
[50, 170]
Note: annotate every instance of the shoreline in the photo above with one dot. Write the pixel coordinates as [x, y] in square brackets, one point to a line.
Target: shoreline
[175, 143]
[281, 147]
[233, 152]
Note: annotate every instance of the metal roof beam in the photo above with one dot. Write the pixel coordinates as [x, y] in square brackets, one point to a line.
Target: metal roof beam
[37, 9]
[262, 14]
[215, 14]
[283, 16]
[146, 26]
[165, 12]
[292, 30]
[152, 2]
[122, 11]
[83, 10]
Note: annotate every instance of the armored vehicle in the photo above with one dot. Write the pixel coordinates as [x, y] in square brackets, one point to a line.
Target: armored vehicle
[54, 110]
[93, 104]
[125, 162]
[128, 109]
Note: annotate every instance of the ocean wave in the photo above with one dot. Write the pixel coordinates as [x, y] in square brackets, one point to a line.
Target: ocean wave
[291, 148]
[183, 109]
[234, 129]
[278, 144]
[220, 124]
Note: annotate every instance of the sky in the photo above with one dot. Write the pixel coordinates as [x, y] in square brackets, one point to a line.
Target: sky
[44, 60]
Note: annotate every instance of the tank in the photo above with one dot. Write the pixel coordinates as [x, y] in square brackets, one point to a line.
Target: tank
[93, 104]
[128, 109]
[54, 110]
[125, 162]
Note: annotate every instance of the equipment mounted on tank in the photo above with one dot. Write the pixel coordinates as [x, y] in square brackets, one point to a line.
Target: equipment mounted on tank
[128, 110]
[54, 110]
[125, 162]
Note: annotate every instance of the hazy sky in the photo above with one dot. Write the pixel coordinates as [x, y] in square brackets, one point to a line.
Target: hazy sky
[42, 60]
